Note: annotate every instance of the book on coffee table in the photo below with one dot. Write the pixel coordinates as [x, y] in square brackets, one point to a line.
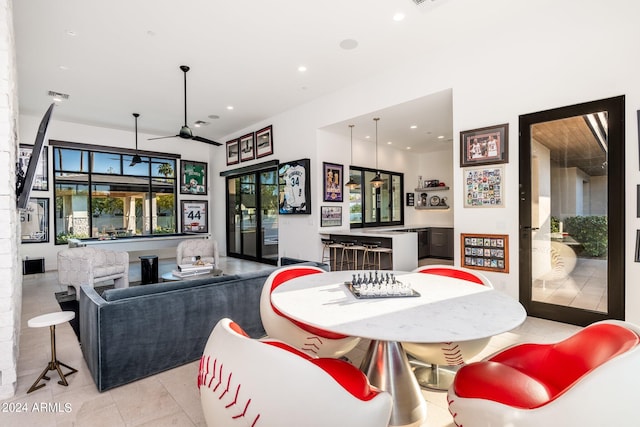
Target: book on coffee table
[177, 273]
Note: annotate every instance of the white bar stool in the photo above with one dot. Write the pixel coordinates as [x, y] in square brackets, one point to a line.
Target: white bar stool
[51, 320]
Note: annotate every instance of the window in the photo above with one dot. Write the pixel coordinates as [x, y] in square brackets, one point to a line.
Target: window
[375, 207]
[100, 194]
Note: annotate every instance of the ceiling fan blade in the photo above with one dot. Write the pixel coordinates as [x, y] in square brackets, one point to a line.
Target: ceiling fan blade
[208, 141]
[163, 137]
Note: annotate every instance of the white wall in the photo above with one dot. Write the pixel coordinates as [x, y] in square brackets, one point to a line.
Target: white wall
[523, 57]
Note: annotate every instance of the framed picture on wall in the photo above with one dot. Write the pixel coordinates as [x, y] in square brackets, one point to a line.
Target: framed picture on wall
[264, 142]
[489, 252]
[330, 216]
[194, 216]
[41, 179]
[294, 187]
[34, 221]
[483, 187]
[233, 153]
[484, 146]
[247, 147]
[332, 182]
[193, 177]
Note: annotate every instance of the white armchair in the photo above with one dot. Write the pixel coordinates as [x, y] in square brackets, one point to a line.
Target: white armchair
[88, 266]
[206, 249]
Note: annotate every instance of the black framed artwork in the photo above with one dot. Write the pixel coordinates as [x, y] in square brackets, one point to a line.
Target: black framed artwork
[332, 182]
[484, 146]
[194, 216]
[233, 152]
[34, 221]
[247, 147]
[193, 178]
[264, 142]
[41, 178]
[330, 216]
[294, 187]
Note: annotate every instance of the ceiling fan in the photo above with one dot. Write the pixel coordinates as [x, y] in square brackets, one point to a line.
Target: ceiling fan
[185, 131]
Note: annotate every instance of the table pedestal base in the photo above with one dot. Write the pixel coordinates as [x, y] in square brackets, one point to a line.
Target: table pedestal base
[434, 377]
[387, 367]
[54, 365]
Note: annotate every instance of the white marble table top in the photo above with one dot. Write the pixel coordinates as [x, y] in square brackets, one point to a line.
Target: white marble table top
[50, 319]
[448, 309]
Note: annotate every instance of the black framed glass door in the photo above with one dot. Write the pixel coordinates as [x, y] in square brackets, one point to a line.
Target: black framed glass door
[572, 212]
[252, 215]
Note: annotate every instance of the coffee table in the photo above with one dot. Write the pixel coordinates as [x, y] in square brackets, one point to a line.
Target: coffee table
[447, 309]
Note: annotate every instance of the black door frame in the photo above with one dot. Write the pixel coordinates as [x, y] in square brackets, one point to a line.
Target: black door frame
[255, 170]
[615, 210]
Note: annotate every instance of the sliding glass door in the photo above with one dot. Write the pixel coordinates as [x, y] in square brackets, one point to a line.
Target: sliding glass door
[252, 216]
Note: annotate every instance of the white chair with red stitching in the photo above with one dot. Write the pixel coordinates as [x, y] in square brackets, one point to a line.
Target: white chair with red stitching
[305, 337]
[590, 379]
[267, 383]
[451, 354]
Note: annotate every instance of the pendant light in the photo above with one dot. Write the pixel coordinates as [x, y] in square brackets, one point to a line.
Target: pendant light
[351, 183]
[377, 181]
[136, 159]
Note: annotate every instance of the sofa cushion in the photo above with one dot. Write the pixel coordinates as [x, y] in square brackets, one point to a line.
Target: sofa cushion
[108, 270]
[136, 291]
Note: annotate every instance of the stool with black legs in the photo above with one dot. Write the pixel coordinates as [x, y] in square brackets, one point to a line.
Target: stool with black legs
[366, 256]
[330, 252]
[350, 251]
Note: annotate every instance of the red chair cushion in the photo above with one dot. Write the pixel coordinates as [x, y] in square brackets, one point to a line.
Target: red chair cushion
[344, 373]
[286, 275]
[531, 375]
[450, 272]
[348, 376]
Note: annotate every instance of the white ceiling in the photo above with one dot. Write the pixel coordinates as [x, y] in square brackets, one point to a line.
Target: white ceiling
[124, 57]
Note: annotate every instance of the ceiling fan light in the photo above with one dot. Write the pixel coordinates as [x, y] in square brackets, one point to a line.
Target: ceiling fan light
[136, 159]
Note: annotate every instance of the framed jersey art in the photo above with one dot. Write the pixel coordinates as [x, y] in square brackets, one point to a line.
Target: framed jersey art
[294, 187]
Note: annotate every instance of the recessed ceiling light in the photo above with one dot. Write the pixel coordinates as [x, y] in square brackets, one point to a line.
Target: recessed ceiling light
[349, 44]
[63, 67]
[441, 137]
[71, 33]
[408, 148]
[413, 127]
[302, 68]
[151, 33]
[199, 123]
[213, 116]
[398, 17]
[229, 107]
[367, 137]
[389, 143]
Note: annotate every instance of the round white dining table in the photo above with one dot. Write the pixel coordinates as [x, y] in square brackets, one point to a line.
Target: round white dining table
[447, 309]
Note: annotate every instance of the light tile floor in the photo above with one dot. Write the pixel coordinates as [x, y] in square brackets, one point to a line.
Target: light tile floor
[166, 399]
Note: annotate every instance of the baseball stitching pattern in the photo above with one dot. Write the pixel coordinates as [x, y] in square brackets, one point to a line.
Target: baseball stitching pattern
[312, 344]
[452, 353]
[206, 376]
[453, 414]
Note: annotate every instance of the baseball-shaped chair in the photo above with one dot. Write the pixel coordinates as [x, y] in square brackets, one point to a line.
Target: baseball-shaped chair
[267, 383]
[590, 379]
[451, 354]
[311, 340]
